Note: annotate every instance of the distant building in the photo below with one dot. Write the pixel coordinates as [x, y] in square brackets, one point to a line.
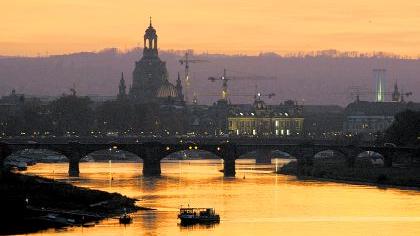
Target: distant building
[18, 112]
[11, 113]
[201, 119]
[12, 104]
[363, 117]
[262, 120]
[323, 121]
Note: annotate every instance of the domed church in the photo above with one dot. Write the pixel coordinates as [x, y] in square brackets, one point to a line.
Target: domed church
[150, 76]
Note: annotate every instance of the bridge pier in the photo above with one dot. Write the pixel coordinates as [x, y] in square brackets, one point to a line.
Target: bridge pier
[4, 153]
[74, 170]
[388, 156]
[151, 167]
[263, 156]
[152, 153]
[351, 155]
[307, 155]
[229, 157]
[74, 152]
[229, 167]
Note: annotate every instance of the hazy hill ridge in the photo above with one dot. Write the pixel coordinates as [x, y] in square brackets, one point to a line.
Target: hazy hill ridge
[319, 78]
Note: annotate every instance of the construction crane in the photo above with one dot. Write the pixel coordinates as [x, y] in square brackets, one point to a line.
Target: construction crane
[256, 97]
[405, 95]
[225, 78]
[186, 60]
[259, 95]
[357, 92]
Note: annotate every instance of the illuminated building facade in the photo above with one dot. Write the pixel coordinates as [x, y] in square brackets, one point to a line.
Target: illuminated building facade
[262, 120]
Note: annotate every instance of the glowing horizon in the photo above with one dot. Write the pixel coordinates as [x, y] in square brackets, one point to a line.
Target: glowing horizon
[41, 27]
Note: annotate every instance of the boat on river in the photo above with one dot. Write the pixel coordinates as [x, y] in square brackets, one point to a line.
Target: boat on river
[125, 219]
[190, 216]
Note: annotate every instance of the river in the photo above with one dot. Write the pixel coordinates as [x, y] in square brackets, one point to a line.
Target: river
[256, 202]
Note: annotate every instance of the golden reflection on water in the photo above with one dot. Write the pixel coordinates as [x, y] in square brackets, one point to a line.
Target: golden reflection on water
[256, 202]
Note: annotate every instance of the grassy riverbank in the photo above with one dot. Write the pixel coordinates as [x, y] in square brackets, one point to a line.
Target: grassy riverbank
[26, 199]
[403, 177]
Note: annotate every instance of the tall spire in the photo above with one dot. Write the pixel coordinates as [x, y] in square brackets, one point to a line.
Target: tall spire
[122, 88]
[150, 21]
[396, 95]
[179, 88]
[178, 80]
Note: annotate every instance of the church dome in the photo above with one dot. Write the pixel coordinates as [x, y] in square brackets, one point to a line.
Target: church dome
[167, 90]
[150, 31]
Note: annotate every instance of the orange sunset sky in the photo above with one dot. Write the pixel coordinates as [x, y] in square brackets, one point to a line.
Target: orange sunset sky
[41, 27]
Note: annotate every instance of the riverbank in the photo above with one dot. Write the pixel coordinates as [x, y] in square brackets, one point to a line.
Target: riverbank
[30, 203]
[382, 176]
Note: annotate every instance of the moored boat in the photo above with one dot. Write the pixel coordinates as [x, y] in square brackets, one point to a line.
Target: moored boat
[198, 216]
[21, 166]
[125, 219]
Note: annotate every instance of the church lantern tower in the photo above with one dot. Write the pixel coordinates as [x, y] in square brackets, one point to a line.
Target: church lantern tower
[179, 89]
[150, 73]
[150, 40]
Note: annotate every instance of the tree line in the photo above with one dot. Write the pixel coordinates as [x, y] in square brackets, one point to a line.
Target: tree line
[74, 115]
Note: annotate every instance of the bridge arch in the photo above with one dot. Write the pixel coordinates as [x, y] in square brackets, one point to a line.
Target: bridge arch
[225, 151]
[300, 152]
[265, 155]
[214, 150]
[182, 159]
[330, 157]
[21, 158]
[72, 151]
[7, 149]
[367, 159]
[111, 153]
[191, 154]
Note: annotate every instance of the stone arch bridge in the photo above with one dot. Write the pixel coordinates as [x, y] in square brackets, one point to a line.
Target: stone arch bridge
[153, 152]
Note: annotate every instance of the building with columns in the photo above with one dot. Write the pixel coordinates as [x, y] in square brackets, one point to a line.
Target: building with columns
[264, 120]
